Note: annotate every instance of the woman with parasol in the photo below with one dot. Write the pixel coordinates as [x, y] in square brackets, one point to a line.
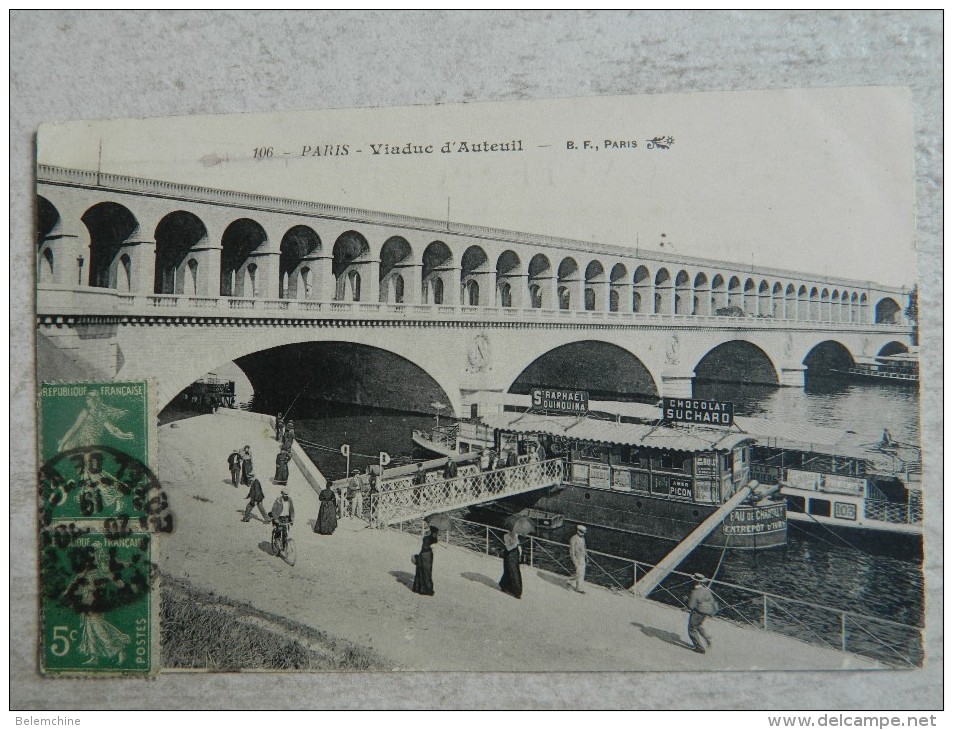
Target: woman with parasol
[512, 581]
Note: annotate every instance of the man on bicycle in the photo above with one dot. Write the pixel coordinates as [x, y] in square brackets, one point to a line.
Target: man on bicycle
[283, 513]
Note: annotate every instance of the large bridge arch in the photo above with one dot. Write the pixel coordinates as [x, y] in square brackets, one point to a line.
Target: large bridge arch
[892, 348]
[737, 361]
[826, 356]
[232, 344]
[607, 370]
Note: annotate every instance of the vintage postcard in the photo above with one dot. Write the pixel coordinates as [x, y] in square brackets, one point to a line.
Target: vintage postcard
[606, 384]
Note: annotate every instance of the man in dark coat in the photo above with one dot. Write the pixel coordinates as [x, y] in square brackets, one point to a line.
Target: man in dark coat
[255, 497]
[235, 467]
[281, 467]
[701, 605]
[289, 436]
[450, 469]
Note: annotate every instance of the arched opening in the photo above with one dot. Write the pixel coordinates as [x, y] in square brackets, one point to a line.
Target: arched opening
[124, 273]
[47, 221]
[474, 265]
[45, 273]
[618, 287]
[750, 299]
[319, 373]
[683, 293]
[892, 348]
[540, 283]
[701, 302]
[887, 311]
[596, 287]
[508, 272]
[826, 358]
[835, 306]
[567, 278]
[240, 241]
[642, 289]
[844, 307]
[506, 294]
[825, 305]
[350, 251]
[178, 235]
[803, 304]
[790, 302]
[814, 310]
[777, 301]
[353, 287]
[396, 256]
[192, 281]
[864, 313]
[737, 361]
[437, 264]
[854, 311]
[607, 372]
[471, 293]
[764, 300]
[719, 294]
[111, 226]
[733, 300]
[298, 246]
[664, 295]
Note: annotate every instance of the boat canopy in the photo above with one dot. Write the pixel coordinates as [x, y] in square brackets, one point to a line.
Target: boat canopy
[684, 437]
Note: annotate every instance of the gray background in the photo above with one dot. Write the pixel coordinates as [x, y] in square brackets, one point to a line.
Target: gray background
[88, 65]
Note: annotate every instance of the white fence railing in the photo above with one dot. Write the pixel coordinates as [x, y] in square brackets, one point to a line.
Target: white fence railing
[401, 500]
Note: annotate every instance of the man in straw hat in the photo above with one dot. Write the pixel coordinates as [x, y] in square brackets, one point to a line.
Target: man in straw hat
[701, 605]
[577, 551]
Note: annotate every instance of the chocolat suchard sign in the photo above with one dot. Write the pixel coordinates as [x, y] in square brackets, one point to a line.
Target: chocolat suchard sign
[692, 410]
[561, 401]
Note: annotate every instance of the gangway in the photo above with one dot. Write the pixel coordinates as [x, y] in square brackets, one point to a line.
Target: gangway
[400, 500]
[671, 561]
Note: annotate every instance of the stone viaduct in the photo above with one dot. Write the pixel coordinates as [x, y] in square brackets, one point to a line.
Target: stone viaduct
[148, 279]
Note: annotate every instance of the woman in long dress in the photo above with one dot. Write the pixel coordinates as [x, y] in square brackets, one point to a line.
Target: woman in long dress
[423, 578]
[328, 514]
[281, 467]
[512, 581]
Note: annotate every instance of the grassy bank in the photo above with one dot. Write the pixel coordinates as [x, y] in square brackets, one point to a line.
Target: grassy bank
[201, 630]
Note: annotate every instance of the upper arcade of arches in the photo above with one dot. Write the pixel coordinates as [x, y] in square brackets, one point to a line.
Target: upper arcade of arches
[166, 239]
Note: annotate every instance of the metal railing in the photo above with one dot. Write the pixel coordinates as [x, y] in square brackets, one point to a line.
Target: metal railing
[890, 642]
[900, 514]
[400, 499]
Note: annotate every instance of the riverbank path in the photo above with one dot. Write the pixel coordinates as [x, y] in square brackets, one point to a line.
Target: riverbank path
[355, 584]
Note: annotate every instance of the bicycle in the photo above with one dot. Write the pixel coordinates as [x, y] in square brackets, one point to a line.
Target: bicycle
[282, 545]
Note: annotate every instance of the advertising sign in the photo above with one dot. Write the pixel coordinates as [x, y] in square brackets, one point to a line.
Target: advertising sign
[563, 401]
[691, 410]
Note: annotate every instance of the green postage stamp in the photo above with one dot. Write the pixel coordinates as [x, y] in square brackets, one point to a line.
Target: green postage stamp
[100, 505]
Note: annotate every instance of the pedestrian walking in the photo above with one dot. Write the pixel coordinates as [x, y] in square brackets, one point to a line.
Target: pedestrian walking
[235, 467]
[577, 551]
[423, 576]
[512, 581]
[279, 428]
[255, 497]
[327, 520]
[248, 468]
[701, 605]
[281, 467]
[288, 438]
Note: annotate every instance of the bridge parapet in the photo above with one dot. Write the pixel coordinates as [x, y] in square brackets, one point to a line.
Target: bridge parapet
[62, 302]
